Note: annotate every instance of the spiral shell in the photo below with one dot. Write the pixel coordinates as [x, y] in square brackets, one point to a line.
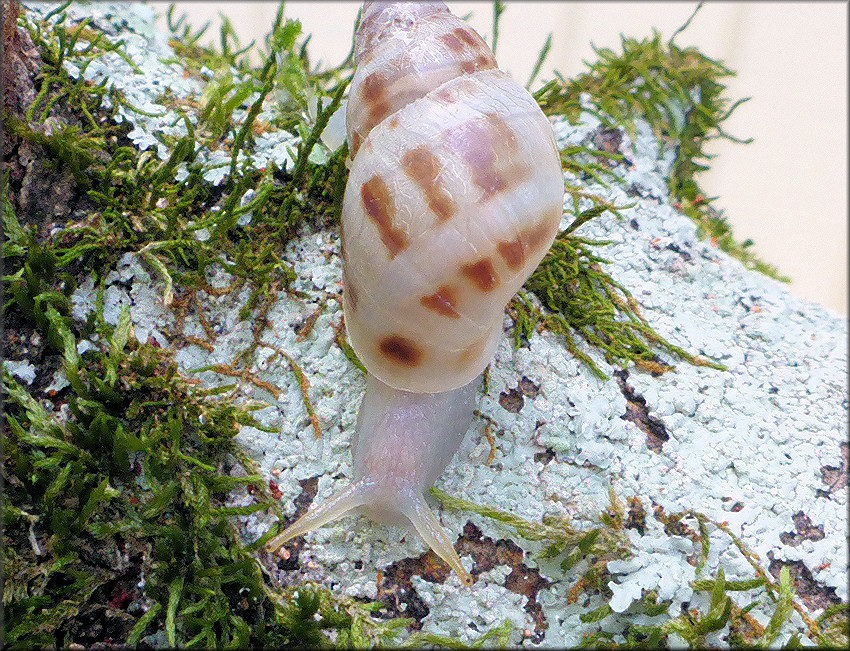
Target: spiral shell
[455, 194]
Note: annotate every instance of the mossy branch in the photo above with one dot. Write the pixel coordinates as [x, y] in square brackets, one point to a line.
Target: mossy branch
[679, 91]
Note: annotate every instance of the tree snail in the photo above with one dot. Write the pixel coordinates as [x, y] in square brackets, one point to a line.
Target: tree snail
[454, 195]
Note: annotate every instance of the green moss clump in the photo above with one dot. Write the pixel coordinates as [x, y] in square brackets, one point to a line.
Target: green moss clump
[124, 500]
[582, 299]
[134, 203]
[679, 91]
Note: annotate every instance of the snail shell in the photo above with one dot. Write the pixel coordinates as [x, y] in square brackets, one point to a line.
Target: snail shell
[455, 194]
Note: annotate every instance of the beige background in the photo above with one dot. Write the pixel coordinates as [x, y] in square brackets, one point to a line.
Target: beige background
[787, 190]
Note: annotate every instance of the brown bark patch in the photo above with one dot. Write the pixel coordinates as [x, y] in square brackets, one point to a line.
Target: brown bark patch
[523, 580]
[511, 400]
[804, 530]
[638, 413]
[835, 477]
[813, 594]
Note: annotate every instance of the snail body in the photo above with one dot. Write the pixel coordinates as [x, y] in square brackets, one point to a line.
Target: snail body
[454, 195]
[403, 441]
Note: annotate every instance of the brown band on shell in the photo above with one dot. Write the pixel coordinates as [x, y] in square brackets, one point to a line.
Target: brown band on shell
[469, 36]
[472, 53]
[374, 88]
[515, 251]
[459, 87]
[348, 289]
[423, 168]
[443, 302]
[452, 42]
[539, 234]
[482, 274]
[480, 62]
[379, 206]
[471, 352]
[354, 145]
[512, 252]
[374, 93]
[401, 350]
[490, 149]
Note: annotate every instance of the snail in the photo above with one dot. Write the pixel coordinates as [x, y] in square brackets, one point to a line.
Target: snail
[454, 195]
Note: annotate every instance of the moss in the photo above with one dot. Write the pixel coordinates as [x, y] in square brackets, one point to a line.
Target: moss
[124, 499]
[679, 91]
[142, 208]
[608, 541]
[139, 470]
[580, 298]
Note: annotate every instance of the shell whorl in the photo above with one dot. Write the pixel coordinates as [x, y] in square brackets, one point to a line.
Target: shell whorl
[454, 196]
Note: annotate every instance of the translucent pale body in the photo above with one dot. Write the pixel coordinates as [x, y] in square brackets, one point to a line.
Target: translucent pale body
[402, 444]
